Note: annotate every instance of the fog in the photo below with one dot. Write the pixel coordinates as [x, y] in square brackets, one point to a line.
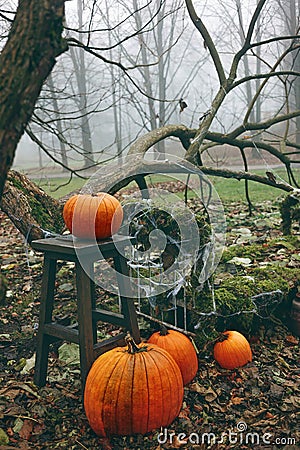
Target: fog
[94, 102]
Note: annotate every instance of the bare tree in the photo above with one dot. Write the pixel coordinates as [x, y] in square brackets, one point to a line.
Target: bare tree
[198, 140]
[62, 144]
[291, 11]
[78, 59]
[33, 43]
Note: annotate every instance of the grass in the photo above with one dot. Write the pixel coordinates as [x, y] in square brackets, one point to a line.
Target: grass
[234, 190]
[229, 190]
[60, 187]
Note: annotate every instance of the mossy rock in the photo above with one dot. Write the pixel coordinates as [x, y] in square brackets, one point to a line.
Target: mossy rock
[243, 300]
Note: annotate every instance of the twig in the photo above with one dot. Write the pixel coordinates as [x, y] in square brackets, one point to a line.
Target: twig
[83, 446]
[168, 325]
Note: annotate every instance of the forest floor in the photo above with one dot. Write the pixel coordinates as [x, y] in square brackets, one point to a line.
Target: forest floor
[261, 399]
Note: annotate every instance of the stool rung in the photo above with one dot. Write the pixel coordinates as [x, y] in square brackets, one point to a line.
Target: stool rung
[109, 344]
[109, 316]
[61, 332]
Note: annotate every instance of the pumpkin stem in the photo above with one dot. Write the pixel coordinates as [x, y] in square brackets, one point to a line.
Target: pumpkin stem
[132, 347]
[164, 331]
[223, 337]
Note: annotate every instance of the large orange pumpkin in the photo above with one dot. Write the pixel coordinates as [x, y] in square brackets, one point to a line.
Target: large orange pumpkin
[132, 390]
[232, 350]
[93, 216]
[180, 347]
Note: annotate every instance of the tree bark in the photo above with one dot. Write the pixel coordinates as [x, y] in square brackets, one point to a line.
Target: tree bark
[31, 210]
[33, 43]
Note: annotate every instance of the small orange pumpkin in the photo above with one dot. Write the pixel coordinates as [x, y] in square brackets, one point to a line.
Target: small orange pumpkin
[93, 216]
[133, 390]
[181, 348]
[232, 350]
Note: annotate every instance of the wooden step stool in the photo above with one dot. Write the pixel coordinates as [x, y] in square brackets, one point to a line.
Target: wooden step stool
[64, 249]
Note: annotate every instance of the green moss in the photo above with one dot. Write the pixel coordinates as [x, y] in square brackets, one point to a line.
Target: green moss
[290, 242]
[237, 306]
[17, 183]
[43, 218]
[252, 251]
[259, 252]
[274, 277]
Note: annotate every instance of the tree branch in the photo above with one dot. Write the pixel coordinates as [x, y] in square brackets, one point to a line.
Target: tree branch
[208, 40]
[135, 167]
[143, 144]
[247, 43]
[262, 76]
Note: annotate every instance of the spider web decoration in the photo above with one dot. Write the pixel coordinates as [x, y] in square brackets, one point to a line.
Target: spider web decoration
[177, 246]
[176, 307]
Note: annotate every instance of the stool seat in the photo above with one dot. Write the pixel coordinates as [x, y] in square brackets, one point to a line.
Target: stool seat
[84, 332]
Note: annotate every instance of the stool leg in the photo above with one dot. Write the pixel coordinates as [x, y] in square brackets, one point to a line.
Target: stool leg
[46, 309]
[85, 298]
[127, 302]
[93, 300]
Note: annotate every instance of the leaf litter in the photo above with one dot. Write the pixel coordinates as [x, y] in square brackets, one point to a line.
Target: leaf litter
[264, 395]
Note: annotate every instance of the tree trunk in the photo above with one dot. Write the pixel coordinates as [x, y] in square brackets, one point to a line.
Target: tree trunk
[162, 88]
[3, 287]
[62, 146]
[31, 210]
[28, 57]
[78, 58]
[145, 70]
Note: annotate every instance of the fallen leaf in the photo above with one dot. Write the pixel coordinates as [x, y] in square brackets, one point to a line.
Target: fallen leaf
[29, 365]
[13, 389]
[236, 400]
[18, 425]
[27, 287]
[249, 414]
[178, 443]
[196, 387]
[197, 408]
[4, 439]
[26, 430]
[69, 353]
[292, 339]
[210, 395]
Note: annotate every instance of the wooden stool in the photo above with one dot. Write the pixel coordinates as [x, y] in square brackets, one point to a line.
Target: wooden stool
[85, 332]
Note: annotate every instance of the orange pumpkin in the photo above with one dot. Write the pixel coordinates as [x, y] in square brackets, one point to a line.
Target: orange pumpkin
[232, 350]
[180, 347]
[93, 216]
[133, 390]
